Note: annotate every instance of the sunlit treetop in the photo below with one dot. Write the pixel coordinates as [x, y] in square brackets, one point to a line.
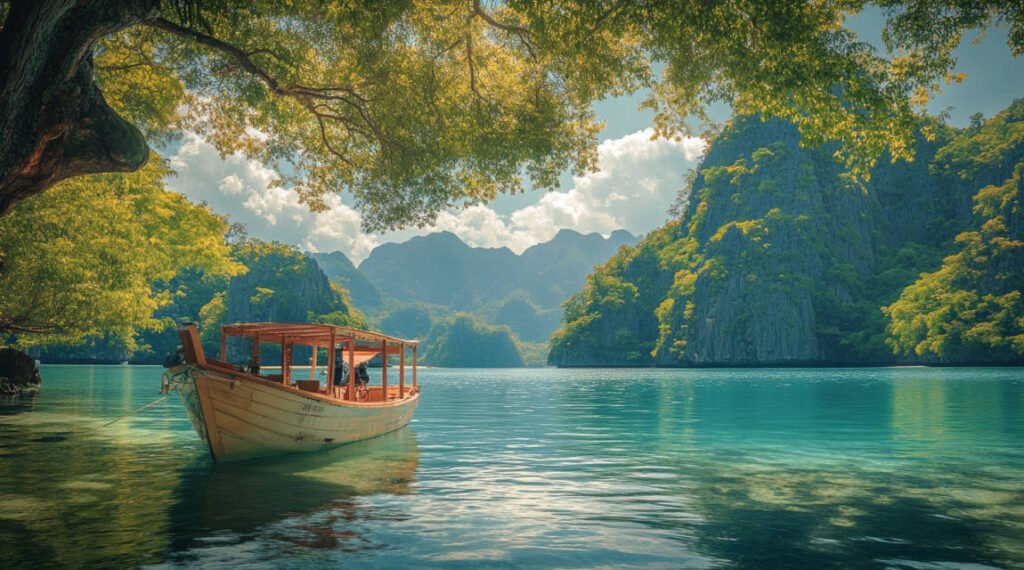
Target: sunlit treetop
[80, 260]
[417, 106]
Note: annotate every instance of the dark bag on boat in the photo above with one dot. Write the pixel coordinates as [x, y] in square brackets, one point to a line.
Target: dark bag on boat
[340, 372]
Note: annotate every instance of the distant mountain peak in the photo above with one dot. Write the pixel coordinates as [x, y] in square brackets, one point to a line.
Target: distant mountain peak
[340, 269]
[566, 233]
[446, 237]
[338, 256]
[441, 269]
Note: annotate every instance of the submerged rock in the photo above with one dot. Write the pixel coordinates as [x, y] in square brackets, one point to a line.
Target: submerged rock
[18, 373]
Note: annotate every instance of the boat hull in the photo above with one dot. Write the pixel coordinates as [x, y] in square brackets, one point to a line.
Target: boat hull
[242, 418]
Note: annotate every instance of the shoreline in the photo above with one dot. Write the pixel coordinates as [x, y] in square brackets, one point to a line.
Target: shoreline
[621, 366]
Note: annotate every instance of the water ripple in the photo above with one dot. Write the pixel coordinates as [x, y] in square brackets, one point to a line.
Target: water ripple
[877, 468]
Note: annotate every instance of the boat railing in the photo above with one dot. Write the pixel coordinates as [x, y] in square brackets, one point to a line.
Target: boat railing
[336, 341]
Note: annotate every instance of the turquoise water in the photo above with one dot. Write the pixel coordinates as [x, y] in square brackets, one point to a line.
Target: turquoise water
[909, 468]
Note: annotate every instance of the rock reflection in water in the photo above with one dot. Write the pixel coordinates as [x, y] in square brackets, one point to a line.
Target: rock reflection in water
[312, 498]
[11, 404]
[794, 472]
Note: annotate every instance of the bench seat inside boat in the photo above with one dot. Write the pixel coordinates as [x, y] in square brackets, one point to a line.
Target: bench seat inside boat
[308, 385]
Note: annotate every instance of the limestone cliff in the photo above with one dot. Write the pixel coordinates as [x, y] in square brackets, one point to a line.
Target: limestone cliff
[780, 258]
[281, 285]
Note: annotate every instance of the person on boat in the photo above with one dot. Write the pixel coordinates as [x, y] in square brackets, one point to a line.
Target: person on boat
[340, 369]
[175, 359]
[254, 365]
[362, 375]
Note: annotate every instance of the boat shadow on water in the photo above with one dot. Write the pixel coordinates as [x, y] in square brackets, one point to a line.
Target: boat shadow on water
[233, 501]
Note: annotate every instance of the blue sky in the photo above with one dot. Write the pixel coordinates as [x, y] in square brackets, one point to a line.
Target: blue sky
[637, 182]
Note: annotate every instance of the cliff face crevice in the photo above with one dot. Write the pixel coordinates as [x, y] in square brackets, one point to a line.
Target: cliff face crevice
[746, 318]
[779, 258]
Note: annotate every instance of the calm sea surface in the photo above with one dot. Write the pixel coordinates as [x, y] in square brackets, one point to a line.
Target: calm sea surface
[910, 468]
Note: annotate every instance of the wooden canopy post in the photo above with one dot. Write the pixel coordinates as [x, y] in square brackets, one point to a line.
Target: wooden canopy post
[286, 361]
[384, 370]
[254, 363]
[352, 369]
[414, 347]
[331, 389]
[223, 346]
[312, 363]
[401, 373]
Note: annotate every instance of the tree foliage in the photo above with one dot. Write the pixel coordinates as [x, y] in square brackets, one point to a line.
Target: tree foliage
[972, 307]
[420, 105]
[463, 341]
[775, 254]
[81, 259]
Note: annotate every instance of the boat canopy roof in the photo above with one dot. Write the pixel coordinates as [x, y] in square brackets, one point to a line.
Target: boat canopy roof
[362, 356]
[311, 334]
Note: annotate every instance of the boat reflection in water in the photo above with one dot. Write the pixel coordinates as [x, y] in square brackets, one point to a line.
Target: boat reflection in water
[309, 499]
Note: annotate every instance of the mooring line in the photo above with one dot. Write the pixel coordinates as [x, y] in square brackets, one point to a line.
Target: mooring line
[133, 412]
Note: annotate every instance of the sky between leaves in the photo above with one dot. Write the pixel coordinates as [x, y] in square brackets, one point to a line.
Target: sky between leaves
[637, 181]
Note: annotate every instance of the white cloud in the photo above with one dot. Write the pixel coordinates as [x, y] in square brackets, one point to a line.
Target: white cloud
[245, 190]
[477, 225]
[638, 179]
[231, 185]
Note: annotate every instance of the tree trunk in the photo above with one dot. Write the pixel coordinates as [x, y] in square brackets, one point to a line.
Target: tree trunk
[54, 122]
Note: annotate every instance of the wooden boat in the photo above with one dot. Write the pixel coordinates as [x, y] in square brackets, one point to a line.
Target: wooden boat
[241, 413]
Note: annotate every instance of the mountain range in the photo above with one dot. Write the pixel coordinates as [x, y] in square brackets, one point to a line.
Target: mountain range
[469, 306]
[496, 285]
[780, 257]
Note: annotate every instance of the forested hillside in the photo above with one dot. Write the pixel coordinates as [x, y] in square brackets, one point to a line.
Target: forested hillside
[971, 309]
[462, 341]
[435, 284]
[279, 283]
[494, 284]
[339, 268]
[782, 258]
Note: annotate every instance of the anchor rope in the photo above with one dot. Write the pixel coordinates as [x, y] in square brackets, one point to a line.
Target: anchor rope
[137, 410]
[167, 383]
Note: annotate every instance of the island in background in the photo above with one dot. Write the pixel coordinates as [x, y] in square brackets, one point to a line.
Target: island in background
[470, 307]
[780, 258]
